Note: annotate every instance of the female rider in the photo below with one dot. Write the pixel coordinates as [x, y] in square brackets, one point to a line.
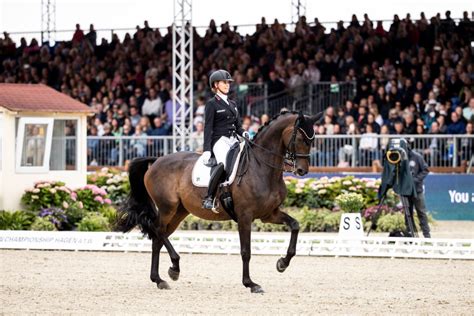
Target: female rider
[221, 124]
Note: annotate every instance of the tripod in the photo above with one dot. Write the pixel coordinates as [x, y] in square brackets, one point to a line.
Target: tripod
[407, 203]
[407, 210]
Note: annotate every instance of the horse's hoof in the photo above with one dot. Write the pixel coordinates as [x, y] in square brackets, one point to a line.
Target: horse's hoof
[163, 285]
[174, 275]
[256, 289]
[281, 265]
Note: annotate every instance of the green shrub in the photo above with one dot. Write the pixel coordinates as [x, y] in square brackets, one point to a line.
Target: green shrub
[43, 224]
[46, 194]
[93, 198]
[391, 222]
[92, 222]
[56, 216]
[322, 192]
[113, 181]
[350, 202]
[18, 220]
[109, 212]
[331, 222]
[75, 213]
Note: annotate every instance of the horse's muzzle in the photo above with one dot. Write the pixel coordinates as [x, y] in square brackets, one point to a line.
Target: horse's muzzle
[301, 171]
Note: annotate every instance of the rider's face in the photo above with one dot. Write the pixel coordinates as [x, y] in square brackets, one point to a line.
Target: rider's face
[223, 87]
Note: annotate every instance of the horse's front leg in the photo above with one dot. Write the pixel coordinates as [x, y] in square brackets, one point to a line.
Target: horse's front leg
[279, 217]
[244, 234]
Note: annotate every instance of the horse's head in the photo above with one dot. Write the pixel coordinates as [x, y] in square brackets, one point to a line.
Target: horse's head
[298, 139]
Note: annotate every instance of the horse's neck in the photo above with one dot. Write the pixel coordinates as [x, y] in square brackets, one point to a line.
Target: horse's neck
[271, 140]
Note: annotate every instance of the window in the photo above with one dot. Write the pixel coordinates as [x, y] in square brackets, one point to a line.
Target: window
[33, 144]
[64, 145]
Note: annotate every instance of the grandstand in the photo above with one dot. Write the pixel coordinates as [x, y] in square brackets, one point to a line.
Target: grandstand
[414, 78]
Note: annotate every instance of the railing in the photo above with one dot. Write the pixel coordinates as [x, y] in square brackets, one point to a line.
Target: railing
[326, 151]
[365, 150]
[253, 98]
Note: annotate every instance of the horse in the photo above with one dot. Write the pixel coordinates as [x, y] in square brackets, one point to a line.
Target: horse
[162, 194]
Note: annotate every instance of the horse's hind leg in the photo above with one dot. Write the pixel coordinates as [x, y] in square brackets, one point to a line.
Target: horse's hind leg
[279, 217]
[157, 243]
[174, 270]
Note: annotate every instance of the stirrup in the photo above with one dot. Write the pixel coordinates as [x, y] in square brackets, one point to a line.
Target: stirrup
[206, 204]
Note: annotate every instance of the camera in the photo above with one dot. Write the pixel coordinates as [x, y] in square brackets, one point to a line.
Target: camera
[397, 151]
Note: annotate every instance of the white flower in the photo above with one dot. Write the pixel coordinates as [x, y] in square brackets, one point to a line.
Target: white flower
[36, 190]
[323, 191]
[298, 190]
[34, 197]
[324, 180]
[52, 190]
[347, 182]
[300, 184]
[65, 204]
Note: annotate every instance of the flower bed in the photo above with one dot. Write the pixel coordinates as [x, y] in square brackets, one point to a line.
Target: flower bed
[317, 204]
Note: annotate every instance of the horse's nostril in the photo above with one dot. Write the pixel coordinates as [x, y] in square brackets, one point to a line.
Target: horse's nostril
[301, 172]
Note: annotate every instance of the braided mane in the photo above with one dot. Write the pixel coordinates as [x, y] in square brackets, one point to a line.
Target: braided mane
[274, 118]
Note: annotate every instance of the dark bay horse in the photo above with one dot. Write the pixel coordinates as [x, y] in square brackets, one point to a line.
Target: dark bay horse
[162, 193]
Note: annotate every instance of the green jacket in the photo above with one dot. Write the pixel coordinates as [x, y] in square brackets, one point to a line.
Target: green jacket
[398, 177]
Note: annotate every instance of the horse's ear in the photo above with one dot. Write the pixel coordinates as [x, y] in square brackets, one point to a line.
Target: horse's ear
[316, 118]
[301, 116]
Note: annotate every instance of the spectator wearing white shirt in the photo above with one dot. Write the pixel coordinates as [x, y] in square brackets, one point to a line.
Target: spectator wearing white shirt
[152, 105]
[312, 73]
[369, 144]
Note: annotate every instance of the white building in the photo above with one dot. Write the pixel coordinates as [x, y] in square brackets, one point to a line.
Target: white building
[42, 137]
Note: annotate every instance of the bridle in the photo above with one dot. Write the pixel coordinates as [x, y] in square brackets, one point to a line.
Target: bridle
[291, 155]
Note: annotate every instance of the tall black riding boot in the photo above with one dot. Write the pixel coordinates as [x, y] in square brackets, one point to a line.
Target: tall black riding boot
[216, 176]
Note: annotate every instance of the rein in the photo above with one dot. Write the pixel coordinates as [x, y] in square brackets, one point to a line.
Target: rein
[290, 155]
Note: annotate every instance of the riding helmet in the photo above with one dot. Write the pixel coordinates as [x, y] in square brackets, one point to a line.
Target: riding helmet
[219, 75]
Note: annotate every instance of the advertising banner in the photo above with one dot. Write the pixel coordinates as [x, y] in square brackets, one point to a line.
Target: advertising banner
[448, 196]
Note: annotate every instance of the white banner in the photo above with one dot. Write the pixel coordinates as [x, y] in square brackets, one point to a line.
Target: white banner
[214, 242]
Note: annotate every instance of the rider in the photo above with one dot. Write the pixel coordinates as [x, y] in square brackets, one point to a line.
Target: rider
[221, 124]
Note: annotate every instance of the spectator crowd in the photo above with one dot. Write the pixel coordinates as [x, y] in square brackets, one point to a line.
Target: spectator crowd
[414, 78]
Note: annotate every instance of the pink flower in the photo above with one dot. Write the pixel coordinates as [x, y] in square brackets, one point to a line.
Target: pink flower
[99, 199]
[108, 201]
[80, 204]
[74, 196]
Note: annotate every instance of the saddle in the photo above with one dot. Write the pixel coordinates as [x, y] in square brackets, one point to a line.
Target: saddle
[202, 174]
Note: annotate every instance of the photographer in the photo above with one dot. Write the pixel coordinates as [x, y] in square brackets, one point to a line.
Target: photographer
[419, 171]
[404, 171]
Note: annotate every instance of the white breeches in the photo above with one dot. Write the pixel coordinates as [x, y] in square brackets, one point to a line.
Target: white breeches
[221, 148]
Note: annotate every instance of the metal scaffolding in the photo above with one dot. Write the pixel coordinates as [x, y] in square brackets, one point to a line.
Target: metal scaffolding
[48, 21]
[298, 9]
[182, 95]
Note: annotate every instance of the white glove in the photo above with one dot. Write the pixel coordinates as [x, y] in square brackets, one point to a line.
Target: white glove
[246, 135]
[206, 156]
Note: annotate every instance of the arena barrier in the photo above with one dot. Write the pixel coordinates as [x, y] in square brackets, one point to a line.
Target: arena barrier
[361, 151]
[228, 243]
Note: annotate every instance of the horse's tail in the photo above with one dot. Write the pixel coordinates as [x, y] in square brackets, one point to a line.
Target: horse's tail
[138, 209]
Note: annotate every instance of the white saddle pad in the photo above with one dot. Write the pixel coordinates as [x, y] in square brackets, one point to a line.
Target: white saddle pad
[202, 174]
